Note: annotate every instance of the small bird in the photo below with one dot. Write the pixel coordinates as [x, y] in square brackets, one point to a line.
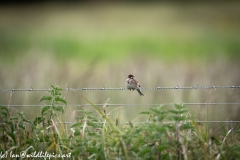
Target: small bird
[133, 84]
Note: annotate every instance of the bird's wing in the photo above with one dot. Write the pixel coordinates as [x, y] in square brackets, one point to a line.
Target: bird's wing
[138, 84]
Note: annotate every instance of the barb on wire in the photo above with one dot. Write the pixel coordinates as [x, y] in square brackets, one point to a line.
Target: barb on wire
[122, 88]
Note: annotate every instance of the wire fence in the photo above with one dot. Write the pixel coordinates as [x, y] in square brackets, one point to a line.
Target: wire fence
[136, 105]
[122, 88]
[132, 105]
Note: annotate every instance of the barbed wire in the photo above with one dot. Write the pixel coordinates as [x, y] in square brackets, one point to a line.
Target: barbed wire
[123, 88]
[124, 105]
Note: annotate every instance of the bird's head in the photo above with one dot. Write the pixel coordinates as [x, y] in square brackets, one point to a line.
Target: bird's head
[130, 76]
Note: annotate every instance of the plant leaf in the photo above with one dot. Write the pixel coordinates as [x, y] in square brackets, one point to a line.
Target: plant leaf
[26, 120]
[77, 124]
[59, 99]
[4, 111]
[5, 114]
[22, 126]
[92, 124]
[174, 111]
[46, 98]
[58, 108]
[92, 149]
[12, 136]
[144, 151]
[37, 120]
[144, 112]
[177, 106]
[44, 109]
[162, 147]
[13, 118]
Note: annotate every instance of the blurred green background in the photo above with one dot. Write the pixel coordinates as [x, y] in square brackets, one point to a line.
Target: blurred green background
[99, 44]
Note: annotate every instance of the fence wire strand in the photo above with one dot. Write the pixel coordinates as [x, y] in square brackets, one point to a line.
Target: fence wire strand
[122, 88]
[131, 105]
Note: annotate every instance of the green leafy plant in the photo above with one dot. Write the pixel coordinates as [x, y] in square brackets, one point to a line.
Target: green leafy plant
[168, 133]
[54, 100]
[48, 130]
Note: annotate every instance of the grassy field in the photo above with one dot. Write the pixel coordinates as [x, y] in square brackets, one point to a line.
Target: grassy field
[82, 32]
[165, 44]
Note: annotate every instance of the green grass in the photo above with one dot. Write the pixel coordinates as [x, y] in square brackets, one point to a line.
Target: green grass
[167, 134]
[199, 48]
[163, 31]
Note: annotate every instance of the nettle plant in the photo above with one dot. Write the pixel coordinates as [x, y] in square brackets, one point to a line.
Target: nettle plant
[54, 101]
[18, 134]
[162, 136]
[14, 131]
[45, 126]
[50, 110]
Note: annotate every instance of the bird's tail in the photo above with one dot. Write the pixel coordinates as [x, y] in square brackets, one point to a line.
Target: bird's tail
[140, 92]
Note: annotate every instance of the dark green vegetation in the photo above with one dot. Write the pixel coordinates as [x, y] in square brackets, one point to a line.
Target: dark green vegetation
[167, 134]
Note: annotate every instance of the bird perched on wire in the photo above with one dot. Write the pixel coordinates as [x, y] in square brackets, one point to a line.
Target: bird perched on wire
[133, 84]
